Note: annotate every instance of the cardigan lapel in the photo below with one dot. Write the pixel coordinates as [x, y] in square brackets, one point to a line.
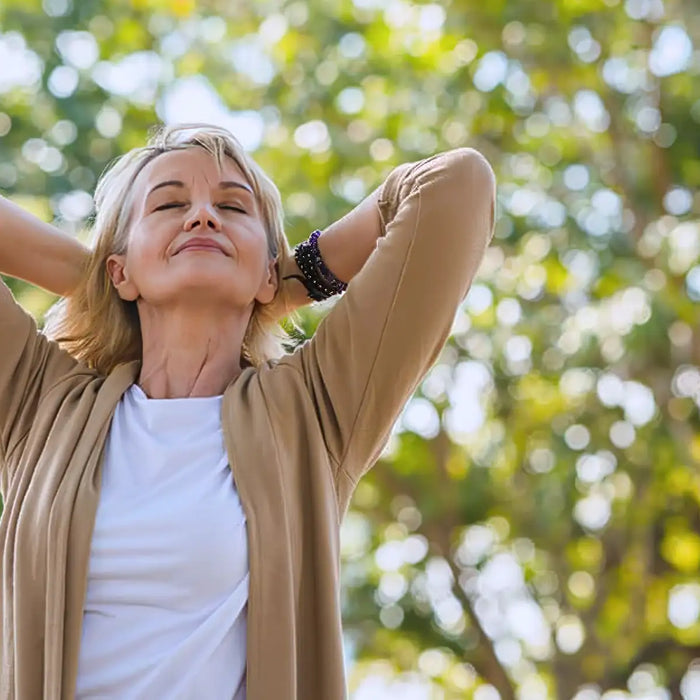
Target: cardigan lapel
[81, 496]
[257, 473]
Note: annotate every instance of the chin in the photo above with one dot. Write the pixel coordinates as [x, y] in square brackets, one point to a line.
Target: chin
[211, 286]
[203, 279]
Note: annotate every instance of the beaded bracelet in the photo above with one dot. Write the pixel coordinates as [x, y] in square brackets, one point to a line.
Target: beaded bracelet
[319, 281]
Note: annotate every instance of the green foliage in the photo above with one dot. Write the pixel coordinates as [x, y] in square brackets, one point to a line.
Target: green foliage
[533, 523]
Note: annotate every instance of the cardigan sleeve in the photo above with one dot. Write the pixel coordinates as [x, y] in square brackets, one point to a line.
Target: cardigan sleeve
[368, 355]
[29, 364]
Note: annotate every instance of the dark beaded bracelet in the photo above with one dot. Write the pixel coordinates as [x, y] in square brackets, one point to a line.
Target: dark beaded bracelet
[319, 281]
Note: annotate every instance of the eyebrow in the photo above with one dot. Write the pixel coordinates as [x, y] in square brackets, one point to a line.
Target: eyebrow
[226, 184]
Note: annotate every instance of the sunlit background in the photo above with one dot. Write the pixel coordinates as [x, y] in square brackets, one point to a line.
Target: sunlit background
[532, 530]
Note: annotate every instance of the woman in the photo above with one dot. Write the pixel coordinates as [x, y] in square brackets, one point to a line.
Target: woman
[173, 481]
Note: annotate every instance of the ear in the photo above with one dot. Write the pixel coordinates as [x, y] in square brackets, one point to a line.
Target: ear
[116, 269]
[267, 290]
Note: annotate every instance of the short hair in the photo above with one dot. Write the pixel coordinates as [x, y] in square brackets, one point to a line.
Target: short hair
[95, 324]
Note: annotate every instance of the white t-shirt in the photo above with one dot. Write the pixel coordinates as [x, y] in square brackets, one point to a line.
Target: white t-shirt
[166, 605]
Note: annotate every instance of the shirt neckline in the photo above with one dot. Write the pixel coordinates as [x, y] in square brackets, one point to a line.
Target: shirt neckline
[140, 395]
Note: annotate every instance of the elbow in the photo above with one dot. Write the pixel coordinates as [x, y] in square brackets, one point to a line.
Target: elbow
[458, 193]
[470, 167]
[471, 182]
[459, 177]
[459, 196]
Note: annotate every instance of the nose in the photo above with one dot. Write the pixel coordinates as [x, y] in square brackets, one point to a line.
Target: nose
[204, 216]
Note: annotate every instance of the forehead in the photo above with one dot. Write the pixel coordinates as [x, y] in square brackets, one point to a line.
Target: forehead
[188, 165]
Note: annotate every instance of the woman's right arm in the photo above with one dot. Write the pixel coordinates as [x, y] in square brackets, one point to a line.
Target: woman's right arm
[37, 252]
[29, 363]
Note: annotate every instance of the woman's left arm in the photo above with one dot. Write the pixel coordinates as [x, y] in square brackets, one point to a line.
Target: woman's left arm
[412, 249]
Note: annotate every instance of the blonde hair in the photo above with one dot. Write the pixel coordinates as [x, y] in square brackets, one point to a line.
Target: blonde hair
[98, 327]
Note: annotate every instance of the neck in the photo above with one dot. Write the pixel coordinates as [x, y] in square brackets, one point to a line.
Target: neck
[190, 351]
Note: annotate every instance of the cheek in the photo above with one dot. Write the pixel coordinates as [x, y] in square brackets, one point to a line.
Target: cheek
[141, 262]
[254, 245]
[143, 248]
[261, 262]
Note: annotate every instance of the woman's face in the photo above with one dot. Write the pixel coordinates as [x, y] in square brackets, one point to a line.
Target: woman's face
[196, 237]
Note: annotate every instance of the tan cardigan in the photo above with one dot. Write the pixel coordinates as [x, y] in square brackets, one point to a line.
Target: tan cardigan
[300, 432]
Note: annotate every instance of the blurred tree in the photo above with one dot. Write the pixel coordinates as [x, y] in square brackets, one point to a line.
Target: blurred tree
[532, 528]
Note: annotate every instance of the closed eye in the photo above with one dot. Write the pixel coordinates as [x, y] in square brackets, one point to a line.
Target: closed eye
[171, 205]
[176, 205]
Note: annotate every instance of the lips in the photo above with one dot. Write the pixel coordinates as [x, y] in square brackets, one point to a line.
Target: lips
[201, 244]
